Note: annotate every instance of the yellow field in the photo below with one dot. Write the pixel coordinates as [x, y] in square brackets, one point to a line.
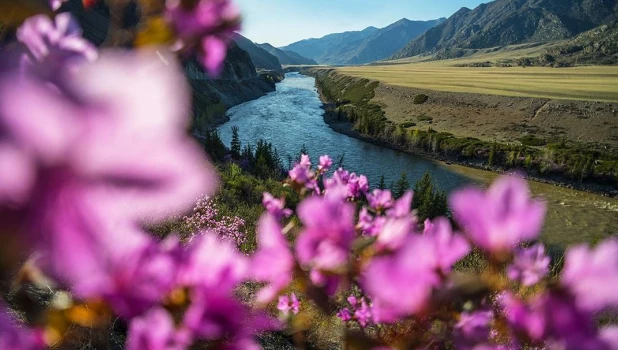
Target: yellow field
[595, 83]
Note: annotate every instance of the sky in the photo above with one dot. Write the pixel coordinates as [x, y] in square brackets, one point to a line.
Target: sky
[282, 22]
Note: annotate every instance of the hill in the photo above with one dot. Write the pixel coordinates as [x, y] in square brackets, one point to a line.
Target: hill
[508, 22]
[287, 57]
[261, 58]
[360, 47]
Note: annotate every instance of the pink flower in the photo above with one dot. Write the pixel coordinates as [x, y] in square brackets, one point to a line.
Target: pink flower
[155, 330]
[380, 200]
[592, 275]
[289, 304]
[276, 207]
[273, 262]
[56, 4]
[127, 269]
[209, 24]
[53, 46]
[324, 243]
[393, 233]
[363, 313]
[501, 218]
[18, 337]
[448, 247]
[211, 263]
[302, 176]
[473, 328]
[402, 207]
[305, 161]
[401, 283]
[325, 163]
[530, 265]
[115, 148]
[218, 317]
[369, 225]
[344, 315]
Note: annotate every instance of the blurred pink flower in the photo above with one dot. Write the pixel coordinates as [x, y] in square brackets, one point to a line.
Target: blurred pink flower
[473, 329]
[53, 46]
[324, 243]
[592, 275]
[207, 23]
[18, 337]
[448, 247]
[115, 147]
[402, 207]
[212, 263]
[289, 304]
[273, 262]
[499, 219]
[401, 283]
[325, 163]
[380, 200]
[155, 330]
[56, 4]
[275, 206]
[530, 265]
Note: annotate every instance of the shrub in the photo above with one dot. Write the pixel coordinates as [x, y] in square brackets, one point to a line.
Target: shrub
[420, 99]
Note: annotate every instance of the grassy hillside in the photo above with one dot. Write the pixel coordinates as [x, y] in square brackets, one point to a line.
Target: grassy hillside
[596, 83]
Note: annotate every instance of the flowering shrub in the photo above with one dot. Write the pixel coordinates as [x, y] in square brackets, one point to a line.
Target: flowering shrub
[92, 145]
[206, 217]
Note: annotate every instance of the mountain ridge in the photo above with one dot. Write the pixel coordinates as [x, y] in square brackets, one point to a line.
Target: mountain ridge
[262, 59]
[287, 57]
[508, 22]
[364, 46]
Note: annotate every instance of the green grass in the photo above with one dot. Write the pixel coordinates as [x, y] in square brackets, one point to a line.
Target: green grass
[596, 83]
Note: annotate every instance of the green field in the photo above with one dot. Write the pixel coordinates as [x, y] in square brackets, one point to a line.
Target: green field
[595, 83]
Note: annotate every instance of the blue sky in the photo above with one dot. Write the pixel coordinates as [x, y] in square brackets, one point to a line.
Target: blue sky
[282, 22]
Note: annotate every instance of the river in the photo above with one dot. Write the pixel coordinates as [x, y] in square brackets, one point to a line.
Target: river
[291, 117]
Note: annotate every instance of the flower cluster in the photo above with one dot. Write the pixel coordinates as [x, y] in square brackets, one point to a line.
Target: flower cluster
[93, 146]
[206, 218]
[202, 27]
[358, 311]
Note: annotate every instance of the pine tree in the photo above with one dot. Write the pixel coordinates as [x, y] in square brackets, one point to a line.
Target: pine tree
[429, 202]
[401, 186]
[235, 145]
[382, 184]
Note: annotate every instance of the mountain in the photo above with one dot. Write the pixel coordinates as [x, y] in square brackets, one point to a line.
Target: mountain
[324, 49]
[596, 46]
[507, 22]
[369, 45]
[287, 57]
[261, 58]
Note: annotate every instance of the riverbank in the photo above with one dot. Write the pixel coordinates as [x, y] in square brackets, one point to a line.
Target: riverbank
[212, 98]
[339, 114]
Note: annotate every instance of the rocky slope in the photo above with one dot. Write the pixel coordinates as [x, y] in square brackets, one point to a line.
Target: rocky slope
[239, 83]
[287, 57]
[596, 46]
[369, 45]
[507, 22]
[261, 58]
